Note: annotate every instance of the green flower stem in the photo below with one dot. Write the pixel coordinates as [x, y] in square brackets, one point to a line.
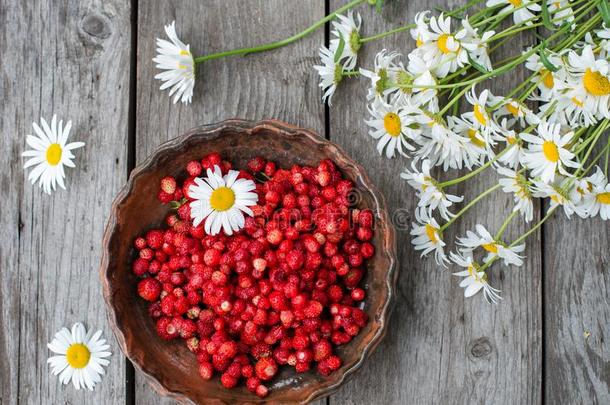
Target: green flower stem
[505, 225]
[475, 172]
[387, 33]
[527, 92]
[465, 7]
[502, 16]
[283, 42]
[596, 159]
[600, 128]
[470, 205]
[351, 73]
[453, 100]
[599, 131]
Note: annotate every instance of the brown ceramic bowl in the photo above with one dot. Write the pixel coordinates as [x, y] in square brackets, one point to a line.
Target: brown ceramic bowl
[169, 366]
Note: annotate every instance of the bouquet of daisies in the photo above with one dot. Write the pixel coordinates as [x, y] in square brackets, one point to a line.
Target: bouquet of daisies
[558, 150]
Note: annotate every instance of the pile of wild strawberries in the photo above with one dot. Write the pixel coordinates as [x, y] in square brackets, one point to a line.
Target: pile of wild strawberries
[283, 290]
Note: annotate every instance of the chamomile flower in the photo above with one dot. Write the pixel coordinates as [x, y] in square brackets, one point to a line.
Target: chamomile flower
[442, 48]
[560, 193]
[80, 356]
[427, 237]
[592, 85]
[483, 239]
[514, 110]
[414, 84]
[382, 76]
[513, 153]
[347, 28]
[560, 11]
[515, 183]
[597, 199]
[420, 33]
[479, 116]
[476, 146]
[474, 279]
[50, 153]
[438, 144]
[523, 9]
[547, 152]
[331, 73]
[390, 125]
[476, 45]
[545, 79]
[177, 62]
[222, 201]
[431, 197]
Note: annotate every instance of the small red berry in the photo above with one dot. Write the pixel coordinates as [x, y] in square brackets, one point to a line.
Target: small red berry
[168, 185]
[193, 168]
[149, 289]
[266, 368]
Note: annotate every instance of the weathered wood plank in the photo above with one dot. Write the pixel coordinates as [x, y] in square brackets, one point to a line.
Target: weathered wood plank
[279, 84]
[440, 347]
[577, 310]
[69, 58]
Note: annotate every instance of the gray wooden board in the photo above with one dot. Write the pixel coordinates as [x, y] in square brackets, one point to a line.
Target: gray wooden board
[70, 58]
[440, 348]
[279, 84]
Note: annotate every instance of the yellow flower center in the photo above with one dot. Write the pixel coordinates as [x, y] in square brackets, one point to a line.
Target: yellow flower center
[514, 110]
[479, 114]
[54, 154]
[473, 272]
[555, 198]
[603, 198]
[222, 198]
[442, 43]
[419, 41]
[431, 232]
[511, 140]
[490, 247]
[577, 102]
[472, 134]
[551, 153]
[516, 3]
[547, 78]
[596, 83]
[184, 53]
[78, 355]
[391, 123]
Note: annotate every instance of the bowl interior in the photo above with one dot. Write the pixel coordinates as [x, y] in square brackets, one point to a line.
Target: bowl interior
[171, 364]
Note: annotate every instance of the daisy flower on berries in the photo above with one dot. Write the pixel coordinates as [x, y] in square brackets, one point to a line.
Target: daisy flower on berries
[331, 73]
[50, 153]
[523, 9]
[547, 152]
[80, 356]
[427, 237]
[347, 28]
[474, 279]
[390, 125]
[176, 60]
[222, 201]
[515, 183]
[483, 239]
[430, 196]
[592, 85]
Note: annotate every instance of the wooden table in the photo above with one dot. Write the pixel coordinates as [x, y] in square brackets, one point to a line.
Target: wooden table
[90, 61]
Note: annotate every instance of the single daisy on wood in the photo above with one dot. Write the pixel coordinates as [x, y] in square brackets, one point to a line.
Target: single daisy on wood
[50, 153]
[474, 279]
[80, 356]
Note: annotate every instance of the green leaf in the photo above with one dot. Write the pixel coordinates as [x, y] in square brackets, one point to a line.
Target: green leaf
[174, 205]
[546, 17]
[476, 64]
[545, 60]
[604, 10]
[340, 48]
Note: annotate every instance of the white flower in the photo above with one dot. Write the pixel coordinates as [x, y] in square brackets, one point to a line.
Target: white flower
[418, 75]
[330, 72]
[441, 48]
[560, 11]
[430, 196]
[383, 74]
[597, 195]
[523, 9]
[50, 153]
[560, 193]
[515, 110]
[544, 77]
[475, 45]
[80, 356]
[477, 147]
[479, 115]
[482, 238]
[420, 33]
[515, 183]
[513, 143]
[222, 201]
[427, 237]
[592, 85]
[176, 60]
[348, 29]
[547, 153]
[390, 125]
[474, 280]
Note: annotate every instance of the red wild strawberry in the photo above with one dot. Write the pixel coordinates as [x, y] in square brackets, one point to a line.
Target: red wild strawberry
[357, 294]
[228, 349]
[164, 197]
[165, 329]
[140, 266]
[168, 184]
[321, 350]
[266, 368]
[184, 212]
[193, 168]
[140, 243]
[257, 164]
[206, 370]
[149, 289]
[154, 239]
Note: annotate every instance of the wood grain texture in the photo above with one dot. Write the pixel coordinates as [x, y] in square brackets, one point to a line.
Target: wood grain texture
[70, 58]
[440, 348]
[577, 310]
[278, 84]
